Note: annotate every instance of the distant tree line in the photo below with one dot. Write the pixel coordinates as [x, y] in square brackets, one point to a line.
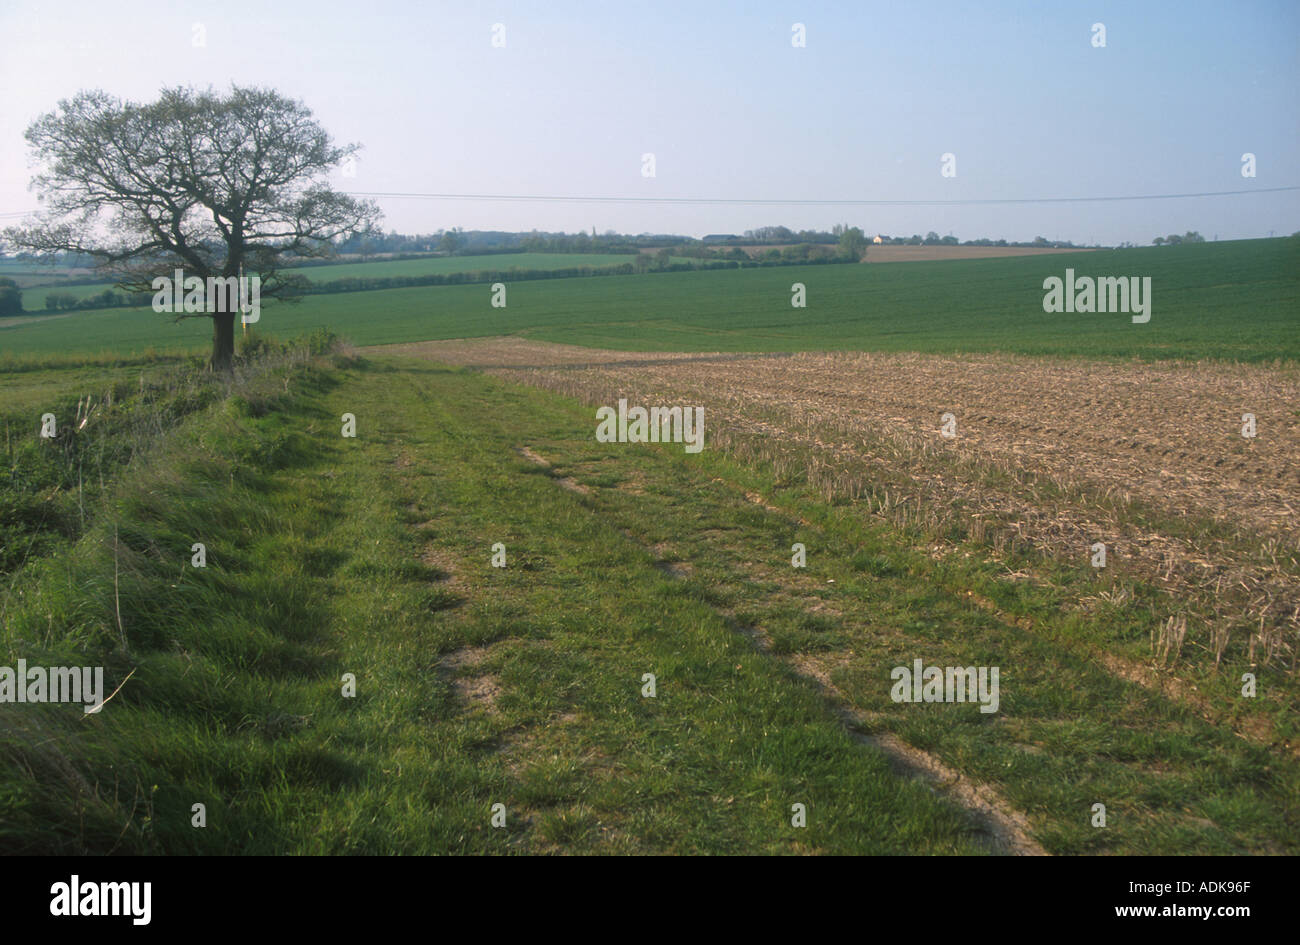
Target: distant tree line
[11, 298]
[1174, 239]
[109, 298]
[458, 242]
[782, 234]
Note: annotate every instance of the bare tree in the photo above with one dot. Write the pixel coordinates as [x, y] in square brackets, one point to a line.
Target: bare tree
[211, 184]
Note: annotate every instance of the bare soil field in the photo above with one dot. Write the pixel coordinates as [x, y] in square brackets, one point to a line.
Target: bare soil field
[1049, 456]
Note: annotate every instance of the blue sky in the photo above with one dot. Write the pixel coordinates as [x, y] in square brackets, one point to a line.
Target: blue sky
[730, 109]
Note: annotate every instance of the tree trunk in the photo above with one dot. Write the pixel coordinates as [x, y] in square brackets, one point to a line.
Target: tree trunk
[223, 340]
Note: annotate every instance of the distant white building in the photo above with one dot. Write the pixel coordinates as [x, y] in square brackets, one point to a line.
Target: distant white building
[878, 240]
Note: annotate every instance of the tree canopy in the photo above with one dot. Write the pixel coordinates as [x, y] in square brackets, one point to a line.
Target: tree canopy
[211, 184]
[11, 297]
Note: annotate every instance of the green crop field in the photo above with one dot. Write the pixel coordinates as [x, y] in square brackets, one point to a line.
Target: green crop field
[1231, 300]
[44, 282]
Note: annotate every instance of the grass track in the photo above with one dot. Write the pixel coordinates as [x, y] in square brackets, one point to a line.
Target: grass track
[315, 570]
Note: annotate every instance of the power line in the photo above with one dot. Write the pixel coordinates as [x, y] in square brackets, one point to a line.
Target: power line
[578, 198]
[559, 198]
[546, 198]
